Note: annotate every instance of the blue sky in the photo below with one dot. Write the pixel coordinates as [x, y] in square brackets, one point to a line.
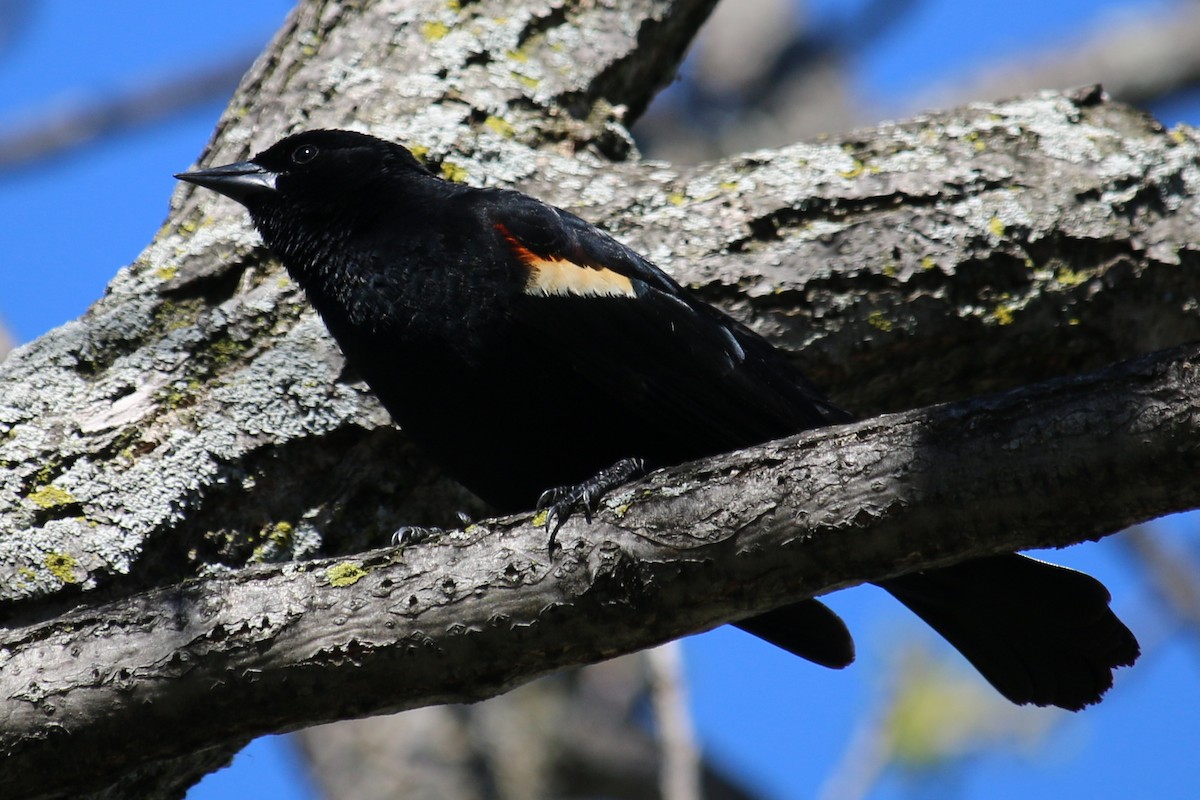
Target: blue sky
[69, 224]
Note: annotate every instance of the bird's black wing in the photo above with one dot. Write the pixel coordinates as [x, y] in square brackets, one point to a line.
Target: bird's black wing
[661, 358]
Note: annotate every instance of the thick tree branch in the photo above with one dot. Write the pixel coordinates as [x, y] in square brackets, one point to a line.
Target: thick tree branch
[199, 414]
[690, 548]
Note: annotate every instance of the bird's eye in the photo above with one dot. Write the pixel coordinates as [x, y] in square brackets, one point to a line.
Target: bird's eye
[304, 154]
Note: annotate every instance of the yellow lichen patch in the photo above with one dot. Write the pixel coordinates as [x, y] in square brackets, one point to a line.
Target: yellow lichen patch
[498, 125]
[454, 172]
[433, 30]
[676, 199]
[976, 141]
[27, 575]
[858, 168]
[1070, 277]
[347, 573]
[996, 227]
[854, 171]
[517, 55]
[889, 270]
[928, 263]
[877, 319]
[166, 272]
[62, 566]
[1003, 314]
[49, 471]
[539, 519]
[277, 538]
[51, 497]
[281, 532]
[526, 81]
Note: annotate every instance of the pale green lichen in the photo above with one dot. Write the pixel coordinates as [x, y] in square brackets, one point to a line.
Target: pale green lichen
[225, 350]
[62, 566]
[854, 171]
[48, 471]
[1003, 314]
[526, 81]
[434, 30]
[877, 319]
[347, 573]
[276, 539]
[500, 126]
[174, 315]
[454, 172]
[49, 497]
[1069, 277]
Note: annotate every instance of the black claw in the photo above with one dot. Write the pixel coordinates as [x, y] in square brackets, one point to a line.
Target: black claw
[546, 499]
[561, 502]
[414, 534]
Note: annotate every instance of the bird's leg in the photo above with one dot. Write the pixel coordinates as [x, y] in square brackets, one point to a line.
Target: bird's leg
[561, 502]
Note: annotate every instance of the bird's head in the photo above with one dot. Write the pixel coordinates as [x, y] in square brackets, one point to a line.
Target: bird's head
[313, 168]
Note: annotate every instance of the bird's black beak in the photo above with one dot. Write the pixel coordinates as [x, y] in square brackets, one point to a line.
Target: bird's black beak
[240, 181]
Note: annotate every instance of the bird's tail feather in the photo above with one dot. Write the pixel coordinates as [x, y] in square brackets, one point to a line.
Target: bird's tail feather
[808, 629]
[1039, 633]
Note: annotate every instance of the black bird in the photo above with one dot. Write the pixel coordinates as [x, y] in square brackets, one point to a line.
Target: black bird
[527, 350]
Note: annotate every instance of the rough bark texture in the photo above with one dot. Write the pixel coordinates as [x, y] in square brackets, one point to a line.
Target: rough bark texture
[198, 419]
[278, 647]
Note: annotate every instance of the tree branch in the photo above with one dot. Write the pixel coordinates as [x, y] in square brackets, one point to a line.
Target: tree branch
[690, 548]
[199, 415]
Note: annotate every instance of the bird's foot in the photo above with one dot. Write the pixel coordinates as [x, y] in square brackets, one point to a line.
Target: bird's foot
[561, 502]
[408, 535]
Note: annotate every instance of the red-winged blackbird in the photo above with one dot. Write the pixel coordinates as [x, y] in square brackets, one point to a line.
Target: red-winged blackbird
[525, 349]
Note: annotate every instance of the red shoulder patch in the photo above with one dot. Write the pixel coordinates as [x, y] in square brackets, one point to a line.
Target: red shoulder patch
[561, 276]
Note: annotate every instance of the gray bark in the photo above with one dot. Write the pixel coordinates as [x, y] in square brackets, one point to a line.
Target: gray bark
[281, 646]
[198, 420]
